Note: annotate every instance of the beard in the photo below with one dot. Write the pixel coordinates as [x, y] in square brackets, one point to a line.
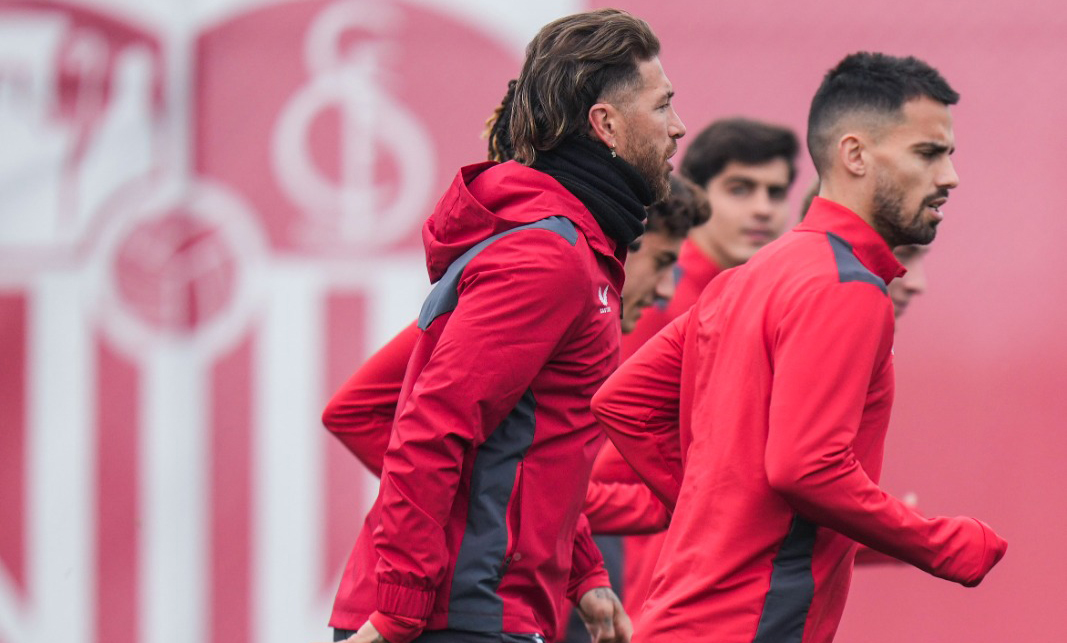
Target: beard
[649, 163]
[890, 221]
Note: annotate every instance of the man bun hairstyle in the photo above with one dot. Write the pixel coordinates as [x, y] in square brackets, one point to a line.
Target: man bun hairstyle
[738, 139]
[685, 208]
[873, 84]
[572, 64]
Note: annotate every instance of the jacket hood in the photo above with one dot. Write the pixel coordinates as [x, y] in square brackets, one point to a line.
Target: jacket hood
[487, 198]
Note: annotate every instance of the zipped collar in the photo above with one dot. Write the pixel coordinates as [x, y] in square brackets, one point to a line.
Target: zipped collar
[868, 246]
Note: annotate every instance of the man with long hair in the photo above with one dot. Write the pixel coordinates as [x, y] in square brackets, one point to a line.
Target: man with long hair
[476, 532]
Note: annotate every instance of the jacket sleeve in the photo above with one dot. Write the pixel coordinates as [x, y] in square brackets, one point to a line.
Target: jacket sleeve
[587, 564]
[618, 501]
[360, 414]
[827, 349]
[517, 302]
[638, 409]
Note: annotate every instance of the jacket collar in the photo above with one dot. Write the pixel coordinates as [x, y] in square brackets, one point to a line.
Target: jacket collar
[535, 195]
[487, 198]
[868, 246]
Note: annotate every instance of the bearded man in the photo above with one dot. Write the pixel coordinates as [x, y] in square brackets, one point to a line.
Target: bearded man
[476, 534]
[772, 394]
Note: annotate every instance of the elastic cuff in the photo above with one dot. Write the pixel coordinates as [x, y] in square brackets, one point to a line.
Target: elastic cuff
[406, 602]
[396, 629]
[598, 578]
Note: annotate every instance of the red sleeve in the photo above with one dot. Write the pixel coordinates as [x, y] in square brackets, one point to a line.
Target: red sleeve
[828, 349]
[361, 412]
[516, 305]
[587, 564]
[638, 408]
[865, 556]
[618, 502]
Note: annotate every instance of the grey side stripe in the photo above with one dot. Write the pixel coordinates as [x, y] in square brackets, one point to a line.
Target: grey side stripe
[443, 298]
[792, 587]
[849, 267]
[473, 603]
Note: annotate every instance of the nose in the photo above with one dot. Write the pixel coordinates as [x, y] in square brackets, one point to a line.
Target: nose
[915, 279]
[762, 205]
[948, 178]
[676, 128]
[665, 285]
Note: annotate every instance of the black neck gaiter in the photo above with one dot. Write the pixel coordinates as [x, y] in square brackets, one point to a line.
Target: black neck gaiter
[609, 187]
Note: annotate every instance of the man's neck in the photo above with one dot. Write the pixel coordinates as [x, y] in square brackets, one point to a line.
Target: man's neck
[704, 241]
[851, 196]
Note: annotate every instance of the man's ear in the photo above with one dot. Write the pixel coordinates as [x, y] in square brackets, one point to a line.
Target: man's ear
[853, 154]
[604, 119]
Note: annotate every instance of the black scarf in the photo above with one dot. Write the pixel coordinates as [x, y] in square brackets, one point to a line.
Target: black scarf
[608, 186]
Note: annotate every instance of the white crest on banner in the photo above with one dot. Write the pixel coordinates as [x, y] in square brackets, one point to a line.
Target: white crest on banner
[359, 207]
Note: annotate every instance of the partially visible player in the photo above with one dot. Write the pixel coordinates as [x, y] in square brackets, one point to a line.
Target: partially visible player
[747, 168]
[913, 283]
[650, 280]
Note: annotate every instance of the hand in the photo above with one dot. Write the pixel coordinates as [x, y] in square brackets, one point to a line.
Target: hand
[604, 617]
[367, 633]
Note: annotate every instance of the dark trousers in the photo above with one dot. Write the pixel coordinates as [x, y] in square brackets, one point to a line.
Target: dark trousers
[458, 636]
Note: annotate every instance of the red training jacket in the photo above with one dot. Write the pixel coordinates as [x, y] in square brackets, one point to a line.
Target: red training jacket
[476, 525]
[361, 412]
[618, 501]
[777, 386]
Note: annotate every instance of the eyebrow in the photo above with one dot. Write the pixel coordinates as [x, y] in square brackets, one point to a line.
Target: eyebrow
[730, 178]
[744, 180]
[930, 146]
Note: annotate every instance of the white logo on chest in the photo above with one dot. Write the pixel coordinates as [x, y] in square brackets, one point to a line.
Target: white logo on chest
[602, 295]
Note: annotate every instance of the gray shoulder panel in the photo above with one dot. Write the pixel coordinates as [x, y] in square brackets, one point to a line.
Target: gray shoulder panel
[849, 267]
[443, 298]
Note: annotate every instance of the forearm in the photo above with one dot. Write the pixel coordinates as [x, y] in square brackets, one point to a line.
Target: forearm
[587, 564]
[832, 389]
[638, 407]
[361, 412]
[624, 508]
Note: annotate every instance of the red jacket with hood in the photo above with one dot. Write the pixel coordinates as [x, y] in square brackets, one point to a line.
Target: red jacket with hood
[476, 526]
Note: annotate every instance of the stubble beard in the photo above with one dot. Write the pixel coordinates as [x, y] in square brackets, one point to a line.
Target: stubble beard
[889, 220]
[649, 163]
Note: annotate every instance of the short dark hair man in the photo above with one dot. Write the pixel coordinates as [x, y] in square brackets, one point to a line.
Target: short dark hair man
[475, 533]
[746, 168]
[781, 381]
